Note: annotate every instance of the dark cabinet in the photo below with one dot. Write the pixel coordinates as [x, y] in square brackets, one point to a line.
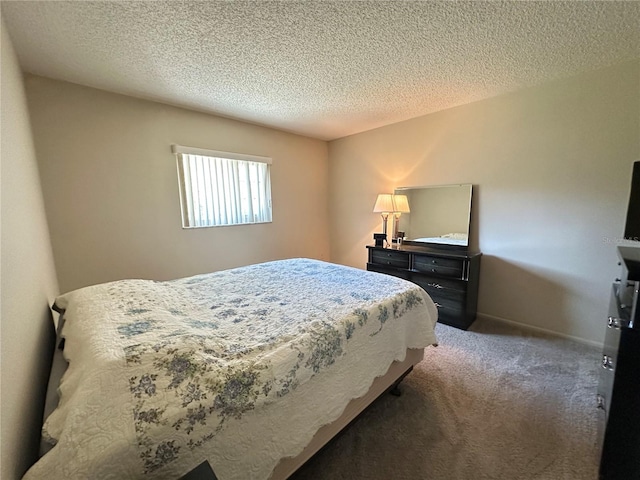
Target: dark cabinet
[619, 384]
[450, 277]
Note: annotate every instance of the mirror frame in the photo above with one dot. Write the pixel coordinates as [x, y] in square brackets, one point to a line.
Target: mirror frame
[400, 190]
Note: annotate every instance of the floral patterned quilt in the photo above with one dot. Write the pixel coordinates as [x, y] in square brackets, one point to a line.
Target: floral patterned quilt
[165, 374]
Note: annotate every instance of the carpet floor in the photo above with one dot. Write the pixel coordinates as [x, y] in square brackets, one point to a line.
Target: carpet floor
[495, 402]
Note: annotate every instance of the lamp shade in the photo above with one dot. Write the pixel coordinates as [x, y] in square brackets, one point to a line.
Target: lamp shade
[401, 203]
[384, 203]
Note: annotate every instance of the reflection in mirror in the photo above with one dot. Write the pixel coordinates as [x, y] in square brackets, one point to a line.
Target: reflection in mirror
[438, 214]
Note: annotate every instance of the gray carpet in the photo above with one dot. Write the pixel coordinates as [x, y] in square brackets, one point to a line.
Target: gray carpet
[494, 402]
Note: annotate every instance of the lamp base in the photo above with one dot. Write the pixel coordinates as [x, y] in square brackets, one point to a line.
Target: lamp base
[380, 239]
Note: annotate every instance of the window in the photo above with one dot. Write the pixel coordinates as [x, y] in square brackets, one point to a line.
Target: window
[220, 188]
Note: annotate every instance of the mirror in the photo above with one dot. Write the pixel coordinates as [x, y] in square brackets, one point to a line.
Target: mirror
[438, 215]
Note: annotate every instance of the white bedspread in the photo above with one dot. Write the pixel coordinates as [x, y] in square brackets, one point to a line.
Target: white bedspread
[447, 238]
[163, 375]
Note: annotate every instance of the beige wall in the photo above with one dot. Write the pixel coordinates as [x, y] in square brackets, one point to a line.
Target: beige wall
[551, 171]
[28, 280]
[111, 189]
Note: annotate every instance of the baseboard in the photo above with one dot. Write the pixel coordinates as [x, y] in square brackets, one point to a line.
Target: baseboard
[532, 328]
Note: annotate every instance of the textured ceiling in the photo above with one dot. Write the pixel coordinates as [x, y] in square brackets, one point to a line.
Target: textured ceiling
[325, 69]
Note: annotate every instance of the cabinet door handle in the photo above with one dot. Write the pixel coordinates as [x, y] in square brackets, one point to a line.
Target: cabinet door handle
[434, 285]
[437, 304]
[607, 362]
[613, 322]
[600, 401]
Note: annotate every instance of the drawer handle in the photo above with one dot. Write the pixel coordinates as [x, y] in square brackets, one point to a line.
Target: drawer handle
[600, 402]
[434, 285]
[434, 270]
[613, 322]
[437, 304]
[607, 362]
[434, 262]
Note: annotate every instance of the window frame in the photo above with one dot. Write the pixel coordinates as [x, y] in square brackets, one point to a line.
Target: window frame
[185, 195]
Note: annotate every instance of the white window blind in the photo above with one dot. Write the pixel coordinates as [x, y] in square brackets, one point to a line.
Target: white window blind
[222, 188]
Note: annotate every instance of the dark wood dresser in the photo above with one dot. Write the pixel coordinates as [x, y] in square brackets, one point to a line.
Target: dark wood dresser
[619, 385]
[450, 277]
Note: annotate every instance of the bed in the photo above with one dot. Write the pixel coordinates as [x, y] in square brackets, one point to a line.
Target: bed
[251, 369]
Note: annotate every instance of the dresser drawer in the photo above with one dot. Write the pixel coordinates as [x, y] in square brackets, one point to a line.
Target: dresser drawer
[605, 385]
[608, 361]
[453, 305]
[390, 257]
[373, 267]
[452, 317]
[436, 291]
[447, 267]
[438, 283]
[611, 345]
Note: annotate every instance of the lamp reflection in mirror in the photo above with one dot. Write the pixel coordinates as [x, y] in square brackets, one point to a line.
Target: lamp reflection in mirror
[384, 206]
[401, 205]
